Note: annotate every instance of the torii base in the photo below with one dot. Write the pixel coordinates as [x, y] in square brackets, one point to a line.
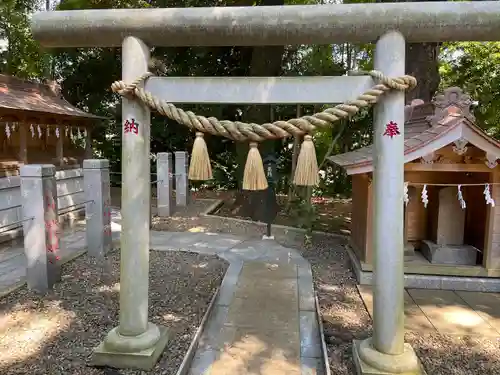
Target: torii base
[386, 361]
[141, 360]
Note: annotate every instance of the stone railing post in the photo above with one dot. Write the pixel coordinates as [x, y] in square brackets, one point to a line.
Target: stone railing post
[97, 206]
[164, 194]
[40, 225]
[181, 178]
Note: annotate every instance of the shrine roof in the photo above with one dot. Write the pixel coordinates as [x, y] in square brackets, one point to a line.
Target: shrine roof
[18, 95]
[428, 127]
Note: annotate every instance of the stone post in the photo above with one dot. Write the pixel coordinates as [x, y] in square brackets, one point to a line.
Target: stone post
[386, 352]
[181, 178]
[97, 208]
[135, 343]
[166, 205]
[40, 225]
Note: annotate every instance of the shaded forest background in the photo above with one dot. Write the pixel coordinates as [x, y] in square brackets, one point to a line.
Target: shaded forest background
[86, 75]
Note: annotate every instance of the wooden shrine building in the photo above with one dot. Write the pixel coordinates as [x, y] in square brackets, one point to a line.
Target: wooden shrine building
[451, 222]
[37, 125]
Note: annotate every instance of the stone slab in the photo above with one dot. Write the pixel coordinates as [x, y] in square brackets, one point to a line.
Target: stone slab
[269, 270]
[486, 305]
[464, 255]
[306, 290]
[283, 291]
[449, 314]
[310, 343]
[143, 360]
[312, 366]
[229, 283]
[263, 314]
[363, 368]
[415, 319]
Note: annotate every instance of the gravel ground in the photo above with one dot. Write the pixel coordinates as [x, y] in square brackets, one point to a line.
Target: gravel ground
[345, 318]
[55, 334]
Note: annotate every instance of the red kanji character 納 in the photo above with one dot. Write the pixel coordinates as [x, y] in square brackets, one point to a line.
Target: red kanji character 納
[131, 126]
[391, 129]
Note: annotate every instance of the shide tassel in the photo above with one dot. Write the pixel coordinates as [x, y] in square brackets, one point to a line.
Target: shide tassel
[306, 172]
[254, 177]
[199, 167]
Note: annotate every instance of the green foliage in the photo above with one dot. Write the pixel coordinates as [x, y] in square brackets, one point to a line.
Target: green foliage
[20, 55]
[475, 67]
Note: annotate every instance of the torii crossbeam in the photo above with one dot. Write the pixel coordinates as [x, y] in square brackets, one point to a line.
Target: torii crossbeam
[136, 342]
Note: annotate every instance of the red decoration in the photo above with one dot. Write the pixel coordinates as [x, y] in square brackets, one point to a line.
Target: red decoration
[131, 126]
[391, 129]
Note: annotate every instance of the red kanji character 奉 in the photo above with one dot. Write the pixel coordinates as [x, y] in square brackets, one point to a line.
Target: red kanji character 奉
[131, 126]
[391, 129]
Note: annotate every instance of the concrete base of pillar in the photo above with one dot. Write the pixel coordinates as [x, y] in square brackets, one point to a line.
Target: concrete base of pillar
[382, 364]
[141, 360]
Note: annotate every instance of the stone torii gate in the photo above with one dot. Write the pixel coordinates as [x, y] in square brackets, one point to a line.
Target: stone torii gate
[138, 343]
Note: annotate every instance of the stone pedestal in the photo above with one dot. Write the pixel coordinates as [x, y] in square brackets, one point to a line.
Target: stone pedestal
[463, 255]
[98, 206]
[164, 168]
[181, 178]
[40, 226]
[376, 363]
[135, 343]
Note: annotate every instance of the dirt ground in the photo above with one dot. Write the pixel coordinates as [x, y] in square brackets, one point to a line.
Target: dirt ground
[55, 334]
[333, 215]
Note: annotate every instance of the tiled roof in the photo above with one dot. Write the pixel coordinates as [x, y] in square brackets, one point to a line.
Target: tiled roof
[424, 123]
[20, 95]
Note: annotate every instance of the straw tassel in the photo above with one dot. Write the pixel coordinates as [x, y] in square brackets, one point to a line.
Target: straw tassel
[199, 167]
[254, 177]
[306, 172]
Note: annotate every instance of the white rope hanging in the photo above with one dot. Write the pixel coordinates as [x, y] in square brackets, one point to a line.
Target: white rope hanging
[487, 196]
[406, 198]
[425, 197]
[461, 197]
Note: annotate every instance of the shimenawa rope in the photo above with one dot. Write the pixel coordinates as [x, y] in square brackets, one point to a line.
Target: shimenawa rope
[241, 131]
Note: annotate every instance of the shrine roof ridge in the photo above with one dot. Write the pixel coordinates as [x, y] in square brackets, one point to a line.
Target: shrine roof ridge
[270, 25]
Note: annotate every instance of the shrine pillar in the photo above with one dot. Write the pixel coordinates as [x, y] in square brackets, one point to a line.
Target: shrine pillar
[135, 343]
[386, 352]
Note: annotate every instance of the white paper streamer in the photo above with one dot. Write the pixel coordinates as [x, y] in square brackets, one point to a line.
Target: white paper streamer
[85, 132]
[425, 198]
[57, 132]
[39, 131]
[79, 135]
[48, 131]
[487, 195]
[7, 130]
[13, 126]
[32, 129]
[461, 198]
[71, 136]
[406, 198]
[66, 130]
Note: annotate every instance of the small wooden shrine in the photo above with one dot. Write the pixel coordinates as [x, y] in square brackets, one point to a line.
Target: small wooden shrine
[37, 125]
[452, 225]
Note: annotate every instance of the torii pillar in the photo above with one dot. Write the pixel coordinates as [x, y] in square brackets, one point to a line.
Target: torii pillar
[135, 343]
[386, 352]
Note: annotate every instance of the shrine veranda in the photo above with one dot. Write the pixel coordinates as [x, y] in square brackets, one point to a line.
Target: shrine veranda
[390, 25]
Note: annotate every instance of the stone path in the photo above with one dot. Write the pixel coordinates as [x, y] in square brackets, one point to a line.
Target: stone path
[447, 311]
[264, 320]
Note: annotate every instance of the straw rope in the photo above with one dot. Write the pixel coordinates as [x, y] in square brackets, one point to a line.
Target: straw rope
[241, 131]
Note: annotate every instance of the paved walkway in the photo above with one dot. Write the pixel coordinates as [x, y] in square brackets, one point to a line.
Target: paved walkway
[264, 318]
[447, 312]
